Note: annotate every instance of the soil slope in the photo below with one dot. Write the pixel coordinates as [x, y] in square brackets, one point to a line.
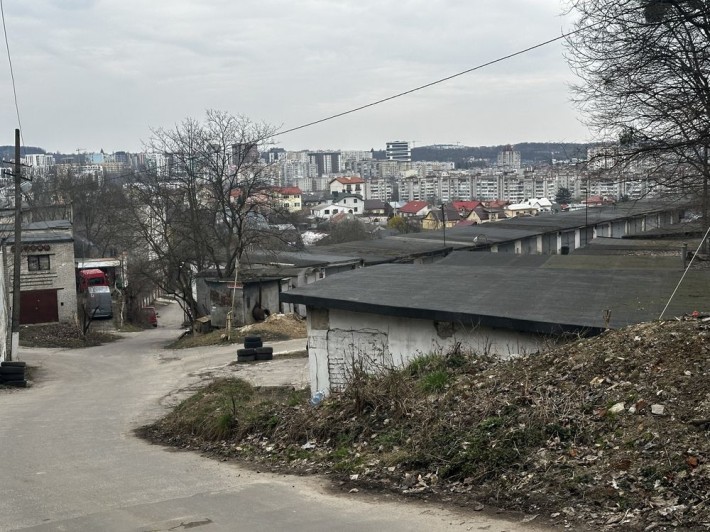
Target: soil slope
[611, 431]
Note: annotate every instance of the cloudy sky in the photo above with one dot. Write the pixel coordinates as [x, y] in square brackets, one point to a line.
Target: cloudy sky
[98, 74]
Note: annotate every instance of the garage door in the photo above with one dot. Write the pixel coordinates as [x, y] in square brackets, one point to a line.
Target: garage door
[38, 306]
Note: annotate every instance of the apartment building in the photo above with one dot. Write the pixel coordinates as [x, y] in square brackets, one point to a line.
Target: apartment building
[398, 150]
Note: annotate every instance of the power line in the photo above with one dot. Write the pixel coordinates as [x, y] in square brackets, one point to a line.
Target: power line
[398, 95]
[427, 85]
[383, 100]
[9, 60]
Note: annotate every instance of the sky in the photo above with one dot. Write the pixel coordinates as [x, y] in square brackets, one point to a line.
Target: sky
[100, 74]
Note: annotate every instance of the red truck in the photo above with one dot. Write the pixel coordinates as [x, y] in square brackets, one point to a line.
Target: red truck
[91, 277]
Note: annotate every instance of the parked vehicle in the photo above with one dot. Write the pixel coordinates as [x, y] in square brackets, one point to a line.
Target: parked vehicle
[91, 277]
[149, 316]
[98, 302]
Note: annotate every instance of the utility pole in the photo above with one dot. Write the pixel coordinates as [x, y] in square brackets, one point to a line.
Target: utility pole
[15, 341]
[443, 220]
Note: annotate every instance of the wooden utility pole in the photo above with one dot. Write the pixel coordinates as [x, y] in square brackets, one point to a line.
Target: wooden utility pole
[15, 341]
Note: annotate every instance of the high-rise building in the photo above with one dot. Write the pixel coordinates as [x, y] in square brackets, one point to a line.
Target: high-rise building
[509, 158]
[244, 154]
[327, 162]
[398, 150]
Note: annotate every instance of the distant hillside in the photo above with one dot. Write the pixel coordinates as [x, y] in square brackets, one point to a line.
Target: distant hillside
[530, 152]
[8, 152]
[463, 156]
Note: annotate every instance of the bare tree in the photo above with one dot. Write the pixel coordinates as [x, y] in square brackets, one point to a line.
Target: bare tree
[96, 208]
[204, 203]
[644, 69]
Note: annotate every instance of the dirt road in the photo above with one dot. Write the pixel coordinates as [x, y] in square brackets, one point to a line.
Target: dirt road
[69, 459]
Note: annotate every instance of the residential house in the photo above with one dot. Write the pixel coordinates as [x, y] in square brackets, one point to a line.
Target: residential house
[396, 206]
[346, 185]
[288, 198]
[520, 209]
[312, 200]
[377, 210]
[464, 208]
[345, 204]
[433, 220]
[414, 208]
[481, 214]
[531, 207]
[598, 201]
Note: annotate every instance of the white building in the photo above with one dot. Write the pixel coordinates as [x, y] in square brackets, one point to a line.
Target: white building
[398, 150]
[348, 204]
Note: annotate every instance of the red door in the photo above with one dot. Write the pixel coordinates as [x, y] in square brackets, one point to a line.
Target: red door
[38, 306]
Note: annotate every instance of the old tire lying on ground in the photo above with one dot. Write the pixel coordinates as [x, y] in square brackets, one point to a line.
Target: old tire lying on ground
[264, 353]
[12, 378]
[17, 384]
[12, 370]
[246, 355]
[253, 344]
[252, 339]
[13, 364]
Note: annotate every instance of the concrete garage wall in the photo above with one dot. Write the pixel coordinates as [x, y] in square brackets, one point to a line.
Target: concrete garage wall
[339, 339]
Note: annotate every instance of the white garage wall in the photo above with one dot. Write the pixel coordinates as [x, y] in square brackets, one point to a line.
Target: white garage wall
[337, 339]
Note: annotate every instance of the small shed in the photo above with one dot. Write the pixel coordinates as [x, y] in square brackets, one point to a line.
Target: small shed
[215, 297]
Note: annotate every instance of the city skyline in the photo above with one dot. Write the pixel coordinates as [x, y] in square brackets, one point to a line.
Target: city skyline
[94, 74]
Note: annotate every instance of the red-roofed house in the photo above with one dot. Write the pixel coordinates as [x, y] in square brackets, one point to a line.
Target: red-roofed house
[465, 207]
[414, 208]
[347, 185]
[495, 204]
[289, 198]
[598, 201]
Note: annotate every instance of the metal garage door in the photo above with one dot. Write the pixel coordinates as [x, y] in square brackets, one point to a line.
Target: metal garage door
[38, 306]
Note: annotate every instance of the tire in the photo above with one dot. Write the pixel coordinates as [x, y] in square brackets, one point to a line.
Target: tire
[253, 344]
[252, 339]
[13, 364]
[264, 356]
[16, 384]
[12, 370]
[4, 379]
[264, 350]
[246, 358]
[246, 352]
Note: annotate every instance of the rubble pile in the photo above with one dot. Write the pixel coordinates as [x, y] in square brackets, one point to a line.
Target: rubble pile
[277, 327]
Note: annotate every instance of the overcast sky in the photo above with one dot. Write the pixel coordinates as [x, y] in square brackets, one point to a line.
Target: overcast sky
[98, 74]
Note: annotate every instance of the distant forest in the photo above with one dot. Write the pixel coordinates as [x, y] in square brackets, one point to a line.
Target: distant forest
[8, 152]
[466, 156]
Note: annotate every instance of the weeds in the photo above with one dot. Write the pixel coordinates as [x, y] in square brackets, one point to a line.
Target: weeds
[533, 431]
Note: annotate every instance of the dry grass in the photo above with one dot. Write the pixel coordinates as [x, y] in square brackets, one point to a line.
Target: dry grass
[277, 327]
[574, 433]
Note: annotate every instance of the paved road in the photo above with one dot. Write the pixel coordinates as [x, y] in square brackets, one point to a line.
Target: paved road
[69, 460]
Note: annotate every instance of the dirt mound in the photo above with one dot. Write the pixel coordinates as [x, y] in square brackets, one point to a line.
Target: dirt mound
[609, 432]
[277, 327]
[62, 335]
